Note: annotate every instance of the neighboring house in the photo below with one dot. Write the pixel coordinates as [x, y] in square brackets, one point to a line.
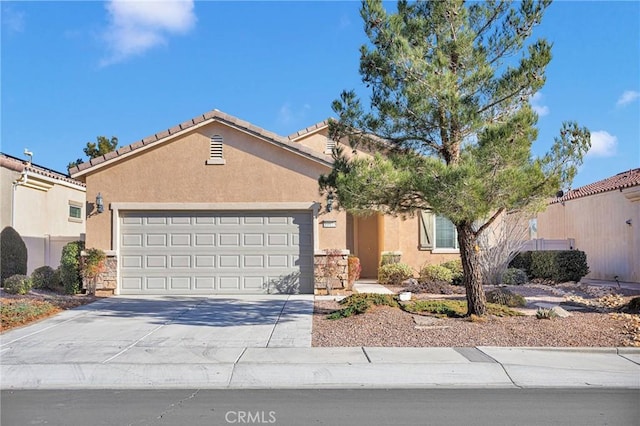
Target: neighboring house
[603, 220]
[45, 207]
[218, 205]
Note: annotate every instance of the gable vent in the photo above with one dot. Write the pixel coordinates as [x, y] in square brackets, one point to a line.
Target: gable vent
[331, 144]
[215, 150]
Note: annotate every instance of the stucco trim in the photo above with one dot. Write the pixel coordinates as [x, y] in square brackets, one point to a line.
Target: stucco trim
[214, 206]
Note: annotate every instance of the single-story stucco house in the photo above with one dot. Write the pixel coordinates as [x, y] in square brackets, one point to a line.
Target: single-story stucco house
[46, 207]
[216, 205]
[603, 220]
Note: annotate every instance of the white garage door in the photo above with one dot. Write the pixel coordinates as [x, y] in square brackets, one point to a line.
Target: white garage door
[216, 252]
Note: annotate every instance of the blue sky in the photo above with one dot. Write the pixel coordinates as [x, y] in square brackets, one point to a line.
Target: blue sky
[71, 71]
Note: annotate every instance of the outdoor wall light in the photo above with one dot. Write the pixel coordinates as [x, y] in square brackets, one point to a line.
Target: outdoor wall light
[330, 201]
[99, 203]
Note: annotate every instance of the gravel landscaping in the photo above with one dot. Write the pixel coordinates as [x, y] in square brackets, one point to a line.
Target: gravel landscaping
[597, 323]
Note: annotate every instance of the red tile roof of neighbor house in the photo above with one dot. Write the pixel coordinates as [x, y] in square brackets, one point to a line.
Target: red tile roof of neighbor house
[618, 182]
[209, 117]
[18, 165]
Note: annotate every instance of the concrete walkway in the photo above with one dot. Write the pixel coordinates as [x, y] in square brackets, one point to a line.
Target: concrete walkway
[370, 286]
[265, 342]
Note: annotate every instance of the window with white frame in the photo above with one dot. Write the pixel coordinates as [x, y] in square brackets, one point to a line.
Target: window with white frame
[215, 150]
[437, 232]
[75, 211]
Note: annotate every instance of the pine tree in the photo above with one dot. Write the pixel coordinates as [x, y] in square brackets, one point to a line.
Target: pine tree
[450, 121]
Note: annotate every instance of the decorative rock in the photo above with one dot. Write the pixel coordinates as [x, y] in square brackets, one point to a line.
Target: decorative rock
[405, 296]
[410, 282]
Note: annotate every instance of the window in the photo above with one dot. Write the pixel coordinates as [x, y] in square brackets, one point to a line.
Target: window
[215, 150]
[446, 235]
[437, 232]
[75, 211]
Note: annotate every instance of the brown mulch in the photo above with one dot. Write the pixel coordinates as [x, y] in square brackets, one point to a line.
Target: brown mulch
[22, 309]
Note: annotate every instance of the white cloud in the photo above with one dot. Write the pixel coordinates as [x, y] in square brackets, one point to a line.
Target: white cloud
[137, 26]
[541, 110]
[603, 144]
[12, 20]
[627, 97]
[287, 116]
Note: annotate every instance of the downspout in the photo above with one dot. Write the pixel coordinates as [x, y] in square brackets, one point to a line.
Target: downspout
[20, 181]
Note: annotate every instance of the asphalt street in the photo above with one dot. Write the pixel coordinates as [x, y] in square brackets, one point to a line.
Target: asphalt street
[353, 407]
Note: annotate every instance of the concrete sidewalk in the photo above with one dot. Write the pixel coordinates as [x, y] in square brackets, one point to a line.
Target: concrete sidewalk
[270, 368]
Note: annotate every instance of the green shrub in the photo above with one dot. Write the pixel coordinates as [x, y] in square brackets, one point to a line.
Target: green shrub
[394, 273]
[514, 276]
[559, 265]
[435, 273]
[42, 277]
[633, 306]
[522, 261]
[390, 258]
[56, 281]
[359, 303]
[455, 308]
[505, 297]
[70, 267]
[455, 266]
[554, 265]
[17, 284]
[543, 313]
[13, 254]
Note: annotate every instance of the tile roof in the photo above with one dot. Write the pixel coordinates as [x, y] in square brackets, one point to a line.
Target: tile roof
[18, 165]
[618, 182]
[318, 126]
[209, 117]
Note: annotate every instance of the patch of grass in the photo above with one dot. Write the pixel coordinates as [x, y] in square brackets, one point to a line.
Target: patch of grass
[543, 313]
[359, 303]
[15, 312]
[505, 297]
[455, 308]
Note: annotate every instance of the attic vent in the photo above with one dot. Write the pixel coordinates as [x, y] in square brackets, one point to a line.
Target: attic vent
[215, 150]
[331, 144]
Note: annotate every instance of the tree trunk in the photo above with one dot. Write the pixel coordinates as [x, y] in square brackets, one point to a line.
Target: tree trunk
[476, 300]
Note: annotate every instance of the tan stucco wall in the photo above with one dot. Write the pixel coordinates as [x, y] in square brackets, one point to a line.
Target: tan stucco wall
[597, 223]
[175, 172]
[402, 234]
[41, 216]
[316, 141]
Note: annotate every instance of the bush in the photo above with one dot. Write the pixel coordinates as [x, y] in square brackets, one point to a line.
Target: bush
[42, 277]
[390, 258]
[70, 267]
[435, 273]
[56, 281]
[543, 313]
[554, 265]
[514, 276]
[502, 296]
[394, 273]
[353, 269]
[522, 261]
[360, 303]
[455, 266]
[17, 284]
[559, 265]
[13, 254]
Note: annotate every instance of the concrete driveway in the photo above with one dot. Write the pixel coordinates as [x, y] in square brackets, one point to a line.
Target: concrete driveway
[162, 330]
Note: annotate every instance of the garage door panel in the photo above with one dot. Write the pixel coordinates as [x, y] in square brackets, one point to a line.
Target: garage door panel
[205, 261]
[180, 283]
[156, 261]
[215, 252]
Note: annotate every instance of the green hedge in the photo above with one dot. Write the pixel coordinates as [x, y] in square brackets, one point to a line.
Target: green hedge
[394, 273]
[13, 254]
[70, 267]
[554, 265]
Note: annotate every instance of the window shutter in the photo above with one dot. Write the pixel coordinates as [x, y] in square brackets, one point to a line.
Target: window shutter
[426, 230]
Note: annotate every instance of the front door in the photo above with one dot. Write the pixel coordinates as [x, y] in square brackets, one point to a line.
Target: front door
[367, 244]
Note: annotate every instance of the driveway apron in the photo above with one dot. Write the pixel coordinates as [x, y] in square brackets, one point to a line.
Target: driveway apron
[162, 330]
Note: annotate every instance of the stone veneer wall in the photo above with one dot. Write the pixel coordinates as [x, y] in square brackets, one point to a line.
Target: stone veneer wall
[339, 270]
[106, 282]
